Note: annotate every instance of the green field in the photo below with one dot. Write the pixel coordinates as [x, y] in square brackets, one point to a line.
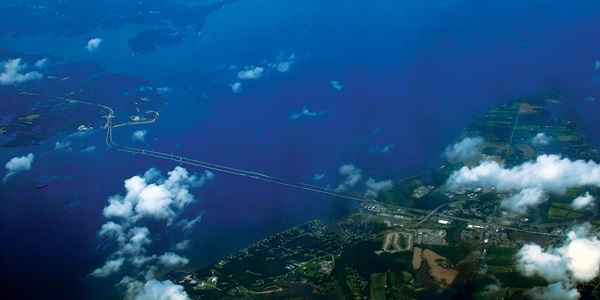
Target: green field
[378, 285]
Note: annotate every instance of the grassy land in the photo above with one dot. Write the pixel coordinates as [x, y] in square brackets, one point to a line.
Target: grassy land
[378, 285]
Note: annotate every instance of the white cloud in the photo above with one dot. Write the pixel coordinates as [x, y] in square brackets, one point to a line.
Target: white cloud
[597, 65]
[137, 239]
[13, 73]
[111, 229]
[93, 44]
[284, 64]
[172, 260]
[236, 87]
[336, 85]
[387, 148]
[576, 261]
[533, 260]
[318, 177]
[157, 290]
[79, 134]
[41, 63]
[491, 288]
[110, 267]
[157, 200]
[305, 113]
[148, 197]
[251, 73]
[585, 201]
[554, 291]
[187, 224]
[464, 150]
[374, 187]
[352, 174]
[541, 139]
[63, 146]
[139, 135]
[117, 207]
[548, 173]
[18, 164]
[162, 90]
[183, 245]
[524, 199]
[89, 149]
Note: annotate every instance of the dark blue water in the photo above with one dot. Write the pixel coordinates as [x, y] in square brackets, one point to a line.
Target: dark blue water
[414, 73]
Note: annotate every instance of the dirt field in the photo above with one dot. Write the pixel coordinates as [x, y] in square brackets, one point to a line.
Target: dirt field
[439, 273]
[417, 258]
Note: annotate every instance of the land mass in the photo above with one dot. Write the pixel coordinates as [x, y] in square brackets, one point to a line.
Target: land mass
[35, 110]
[420, 239]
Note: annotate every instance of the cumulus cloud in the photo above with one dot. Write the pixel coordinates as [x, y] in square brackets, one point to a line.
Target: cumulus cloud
[597, 65]
[156, 200]
[352, 174]
[93, 44]
[541, 139]
[585, 201]
[139, 135]
[63, 146]
[524, 199]
[155, 290]
[491, 288]
[18, 164]
[41, 63]
[163, 90]
[548, 173]
[284, 64]
[554, 291]
[183, 245]
[137, 239]
[109, 267]
[170, 259]
[576, 261]
[236, 87]
[150, 197]
[385, 149]
[305, 113]
[374, 187]
[336, 85]
[89, 149]
[111, 229]
[13, 73]
[464, 150]
[251, 73]
[187, 224]
[320, 176]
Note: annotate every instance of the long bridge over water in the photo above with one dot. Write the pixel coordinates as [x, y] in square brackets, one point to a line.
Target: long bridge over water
[198, 163]
[259, 176]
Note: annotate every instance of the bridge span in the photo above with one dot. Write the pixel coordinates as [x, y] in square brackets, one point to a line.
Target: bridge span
[259, 176]
[222, 168]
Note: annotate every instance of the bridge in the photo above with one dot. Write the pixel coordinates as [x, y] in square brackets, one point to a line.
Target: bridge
[427, 214]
